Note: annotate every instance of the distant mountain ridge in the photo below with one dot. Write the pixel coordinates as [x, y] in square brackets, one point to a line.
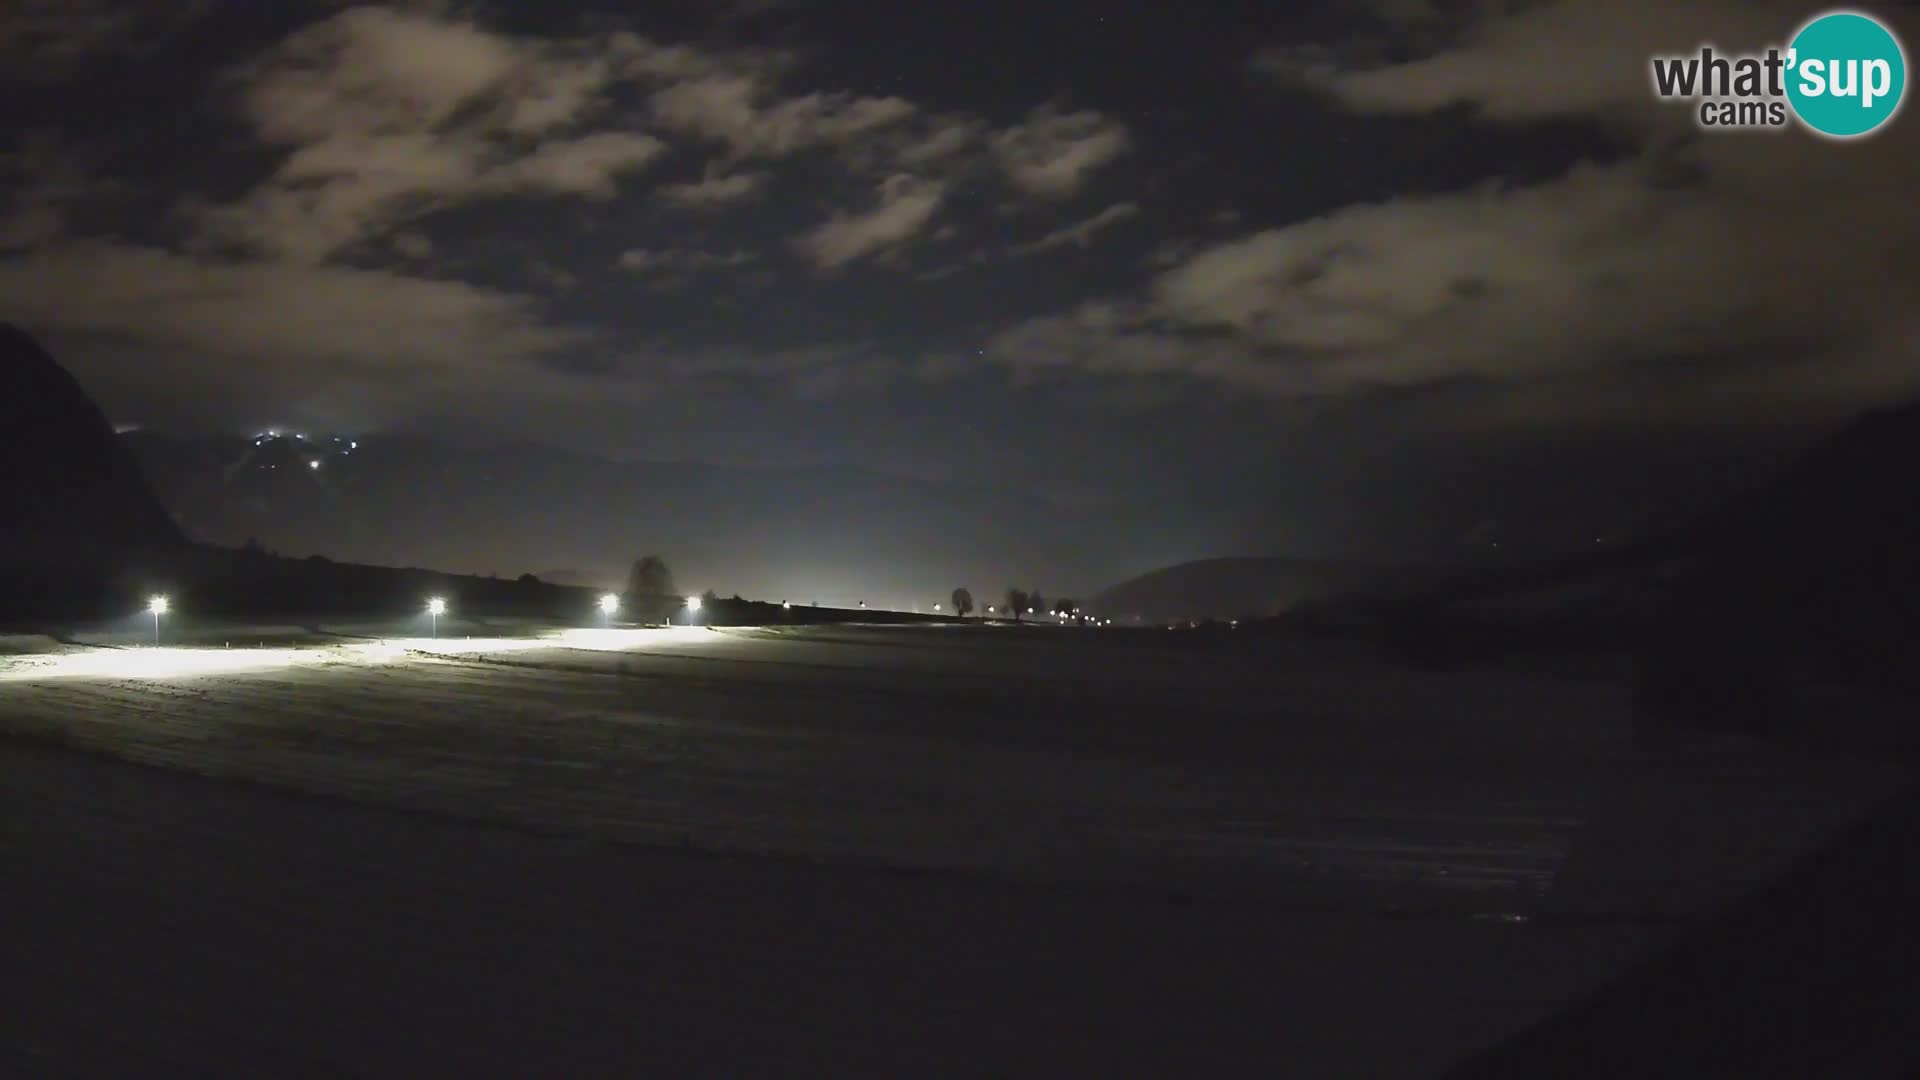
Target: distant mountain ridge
[1244, 587]
[830, 533]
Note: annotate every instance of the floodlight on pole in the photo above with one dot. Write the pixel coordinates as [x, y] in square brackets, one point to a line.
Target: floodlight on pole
[609, 604]
[436, 607]
[157, 605]
[693, 609]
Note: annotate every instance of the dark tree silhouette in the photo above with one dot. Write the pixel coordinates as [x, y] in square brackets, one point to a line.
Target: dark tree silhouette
[1066, 607]
[1017, 601]
[650, 577]
[650, 591]
[963, 602]
[1037, 602]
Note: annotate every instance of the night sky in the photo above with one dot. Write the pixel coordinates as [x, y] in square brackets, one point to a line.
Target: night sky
[1380, 278]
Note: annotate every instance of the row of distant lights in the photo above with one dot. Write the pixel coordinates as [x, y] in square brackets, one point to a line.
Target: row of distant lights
[609, 605]
[437, 606]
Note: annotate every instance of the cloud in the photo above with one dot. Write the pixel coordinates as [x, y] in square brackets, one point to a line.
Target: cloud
[281, 315]
[1710, 257]
[682, 259]
[715, 189]
[413, 244]
[50, 39]
[1122, 341]
[587, 166]
[1561, 58]
[1081, 233]
[905, 207]
[733, 108]
[45, 183]
[1052, 152]
[945, 139]
[387, 114]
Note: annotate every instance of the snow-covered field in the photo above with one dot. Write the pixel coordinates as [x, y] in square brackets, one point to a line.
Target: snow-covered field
[1126, 849]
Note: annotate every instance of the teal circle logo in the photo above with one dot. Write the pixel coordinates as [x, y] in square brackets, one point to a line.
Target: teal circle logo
[1848, 74]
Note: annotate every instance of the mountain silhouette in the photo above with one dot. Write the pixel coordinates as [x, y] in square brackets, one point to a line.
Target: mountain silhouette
[1232, 588]
[1815, 577]
[73, 494]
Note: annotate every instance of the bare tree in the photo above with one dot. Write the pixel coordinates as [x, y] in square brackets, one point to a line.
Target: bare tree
[1036, 602]
[1017, 601]
[963, 602]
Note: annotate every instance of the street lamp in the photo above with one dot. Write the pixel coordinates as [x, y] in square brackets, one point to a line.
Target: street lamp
[609, 604]
[158, 606]
[436, 607]
[693, 609]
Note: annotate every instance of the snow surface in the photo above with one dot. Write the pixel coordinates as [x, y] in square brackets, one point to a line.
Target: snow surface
[1133, 851]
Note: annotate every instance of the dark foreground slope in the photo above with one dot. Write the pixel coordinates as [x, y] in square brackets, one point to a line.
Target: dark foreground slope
[1813, 580]
[71, 491]
[1817, 976]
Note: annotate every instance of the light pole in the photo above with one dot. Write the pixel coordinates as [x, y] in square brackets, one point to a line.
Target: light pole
[608, 605]
[158, 606]
[693, 609]
[436, 607]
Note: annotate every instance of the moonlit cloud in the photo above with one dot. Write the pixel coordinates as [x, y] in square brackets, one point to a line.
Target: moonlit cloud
[905, 206]
[674, 259]
[1052, 152]
[739, 111]
[717, 188]
[1081, 233]
[282, 313]
[1690, 252]
[390, 114]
